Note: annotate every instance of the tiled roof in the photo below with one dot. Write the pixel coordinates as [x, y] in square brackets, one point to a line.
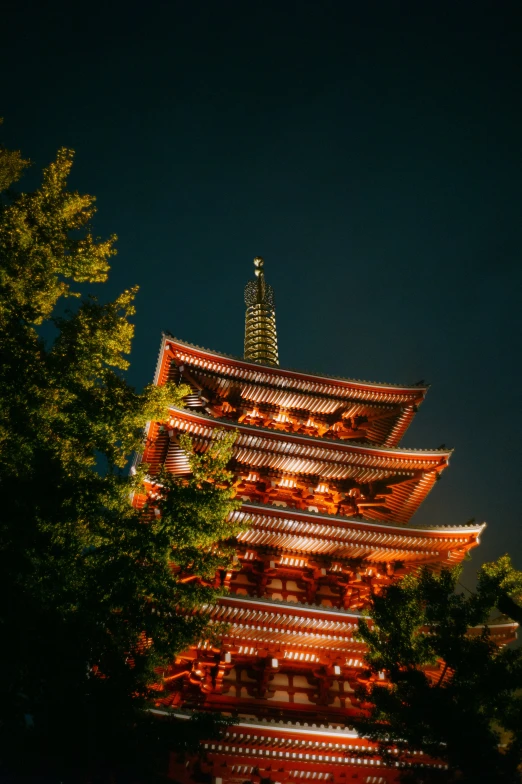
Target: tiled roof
[340, 520]
[315, 534]
[276, 371]
[280, 605]
[261, 620]
[279, 725]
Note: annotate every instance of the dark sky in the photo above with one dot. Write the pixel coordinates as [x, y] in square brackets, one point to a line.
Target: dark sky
[370, 151]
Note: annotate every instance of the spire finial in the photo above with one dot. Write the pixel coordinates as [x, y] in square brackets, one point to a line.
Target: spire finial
[260, 326]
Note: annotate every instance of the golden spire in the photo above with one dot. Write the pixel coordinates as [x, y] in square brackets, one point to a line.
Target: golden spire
[260, 324]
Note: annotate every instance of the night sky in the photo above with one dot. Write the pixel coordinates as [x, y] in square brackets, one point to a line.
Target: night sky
[371, 152]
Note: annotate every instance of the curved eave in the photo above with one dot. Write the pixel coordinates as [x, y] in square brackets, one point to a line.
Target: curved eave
[306, 533]
[315, 612]
[502, 631]
[290, 623]
[432, 458]
[341, 522]
[281, 376]
[297, 750]
[254, 621]
[274, 727]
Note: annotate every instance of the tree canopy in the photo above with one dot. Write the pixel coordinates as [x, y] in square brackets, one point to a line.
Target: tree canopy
[469, 715]
[91, 604]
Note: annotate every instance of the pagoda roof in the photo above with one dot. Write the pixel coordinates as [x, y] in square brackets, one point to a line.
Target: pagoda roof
[399, 456]
[292, 624]
[315, 612]
[472, 528]
[276, 725]
[293, 530]
[502, 630]
[288, 453]
[262, 621]
[283, 377]
[265, 742]
[298, 750]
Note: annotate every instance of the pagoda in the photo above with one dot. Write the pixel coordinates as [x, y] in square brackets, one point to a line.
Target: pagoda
[328, 493]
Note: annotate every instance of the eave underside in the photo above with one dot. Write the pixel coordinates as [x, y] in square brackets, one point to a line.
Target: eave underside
[273, 750]
[265, 622]
[382, 484]
[317, 535]
[388, 408]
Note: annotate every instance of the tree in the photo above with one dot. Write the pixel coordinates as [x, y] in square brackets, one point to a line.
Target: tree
[91, 604]
[470, 713]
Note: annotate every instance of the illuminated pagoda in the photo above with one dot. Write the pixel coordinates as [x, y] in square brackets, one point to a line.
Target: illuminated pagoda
[329, 493]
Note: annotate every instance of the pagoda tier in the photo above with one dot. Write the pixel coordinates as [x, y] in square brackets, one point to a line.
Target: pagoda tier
[275, 656]
[315, 538]
[333, 408]
[303, 472]
[291, 752]
[281, 658]
[334, 565]
[323, 537]
[310, 541]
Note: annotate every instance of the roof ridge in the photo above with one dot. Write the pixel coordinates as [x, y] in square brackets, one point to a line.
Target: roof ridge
[262, 723]
[293, 605]
[354, 521]
[273, 368]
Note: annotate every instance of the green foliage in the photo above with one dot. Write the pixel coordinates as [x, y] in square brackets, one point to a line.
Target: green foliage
[469, 715]
[92, 606]
[46, 244]
[500, 585]
[180, 735]
[12, 166]
[196, 510]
